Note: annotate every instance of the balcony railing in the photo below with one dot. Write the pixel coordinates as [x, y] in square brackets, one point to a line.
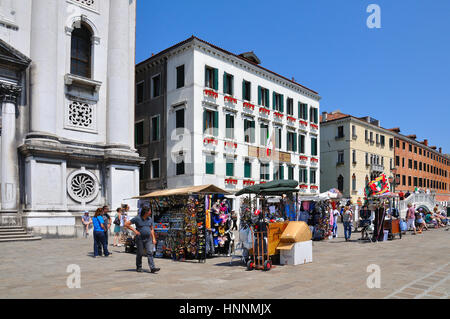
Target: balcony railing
[376, 168]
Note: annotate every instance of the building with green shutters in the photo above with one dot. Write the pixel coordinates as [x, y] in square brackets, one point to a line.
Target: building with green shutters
[225, 120]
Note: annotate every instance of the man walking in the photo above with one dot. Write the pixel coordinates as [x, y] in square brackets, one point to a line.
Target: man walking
[107, 224]
[145, 237]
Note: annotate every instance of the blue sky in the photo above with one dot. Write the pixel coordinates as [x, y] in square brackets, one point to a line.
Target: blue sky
[399, 74]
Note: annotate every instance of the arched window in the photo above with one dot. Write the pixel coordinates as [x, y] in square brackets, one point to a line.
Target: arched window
[80, 54]
[340, 182]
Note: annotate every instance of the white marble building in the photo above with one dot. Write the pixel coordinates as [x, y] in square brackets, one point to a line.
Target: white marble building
[223, 125]
[67, 125]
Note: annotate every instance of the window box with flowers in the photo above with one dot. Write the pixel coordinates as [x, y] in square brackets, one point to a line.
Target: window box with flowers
[264, 111]
[303, 123]
[248, 183]
[211, 93]
[248, 106]
[303, 158]
[278, 115]
[231, 181]
[229, 144]
[314, 126]
[291, 119]
[210, 141]
[314, 160]
[230, 99]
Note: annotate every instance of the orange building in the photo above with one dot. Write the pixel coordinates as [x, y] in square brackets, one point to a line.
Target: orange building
[418, 165]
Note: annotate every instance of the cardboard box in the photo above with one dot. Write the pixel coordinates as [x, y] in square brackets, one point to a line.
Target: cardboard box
[296, 232]
[300, 253]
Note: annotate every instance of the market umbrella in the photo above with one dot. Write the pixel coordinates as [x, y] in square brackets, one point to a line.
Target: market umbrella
[254, 189]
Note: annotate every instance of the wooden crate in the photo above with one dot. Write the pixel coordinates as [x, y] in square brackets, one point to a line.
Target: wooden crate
[275, 230]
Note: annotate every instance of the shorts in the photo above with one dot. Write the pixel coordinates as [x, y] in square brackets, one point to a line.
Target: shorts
[420, 221]
[411, 222]
[117, 229]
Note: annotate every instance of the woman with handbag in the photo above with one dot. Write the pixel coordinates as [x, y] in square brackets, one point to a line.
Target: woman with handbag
[117, 227]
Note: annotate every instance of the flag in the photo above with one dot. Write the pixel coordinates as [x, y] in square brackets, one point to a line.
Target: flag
[378, 186]
[270, 142]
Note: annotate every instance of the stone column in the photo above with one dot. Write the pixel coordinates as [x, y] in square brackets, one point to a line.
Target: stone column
[9, 162]
[119, 59]
[44, 72]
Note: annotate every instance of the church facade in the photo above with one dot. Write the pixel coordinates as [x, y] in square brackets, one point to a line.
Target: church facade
[67, 111]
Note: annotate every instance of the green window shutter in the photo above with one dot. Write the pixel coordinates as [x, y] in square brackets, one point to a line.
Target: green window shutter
[232, 85]
[281, 167]
[230, 169]
[225, 84]
[210, 165]
[216, 123]
[206, 75]
[306, 112]
[259, 95]
[204, 121]
[299, 111]
[282, 104]
[295, 142]
[274, 100]
[305, 175]
[247, 169]
[216, 79]
[243, 90]
[267, 99]
[316, 117]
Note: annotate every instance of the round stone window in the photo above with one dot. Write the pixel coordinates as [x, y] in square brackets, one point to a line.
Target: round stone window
[82, 186]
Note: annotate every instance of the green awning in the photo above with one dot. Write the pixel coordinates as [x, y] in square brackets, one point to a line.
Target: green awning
[271, 188]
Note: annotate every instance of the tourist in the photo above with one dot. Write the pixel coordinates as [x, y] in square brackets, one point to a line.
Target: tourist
[87, 222]
[107, 223]
[429, 219]
[421, 221]
[234, 219]
[410, 218]
[145, 237]
[347, 218]
[125, 210]
[117, 226]
[407, 194]
[336, 215]
[401, 195]
[99, 234]
[438, 217]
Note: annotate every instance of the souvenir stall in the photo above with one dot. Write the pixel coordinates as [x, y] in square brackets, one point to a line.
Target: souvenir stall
[314, 210]
[385, 207]
[269, 211]
[190, 222]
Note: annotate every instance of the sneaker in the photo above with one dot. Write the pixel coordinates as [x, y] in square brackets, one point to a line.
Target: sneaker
[139, 270]
[154, 270]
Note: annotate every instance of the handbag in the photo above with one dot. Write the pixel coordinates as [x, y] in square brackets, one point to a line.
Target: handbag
[117, 221]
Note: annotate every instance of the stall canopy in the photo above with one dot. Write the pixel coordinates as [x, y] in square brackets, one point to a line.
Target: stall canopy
[191, 190]
[275, 187]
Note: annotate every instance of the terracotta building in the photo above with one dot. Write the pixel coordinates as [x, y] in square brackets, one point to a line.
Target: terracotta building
[419, 165]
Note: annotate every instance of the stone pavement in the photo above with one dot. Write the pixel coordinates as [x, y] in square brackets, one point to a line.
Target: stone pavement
[413, 267]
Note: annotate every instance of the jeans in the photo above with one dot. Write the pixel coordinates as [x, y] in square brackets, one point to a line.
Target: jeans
[347, 230]
[140, 244]
[99, 241]
[334, 230]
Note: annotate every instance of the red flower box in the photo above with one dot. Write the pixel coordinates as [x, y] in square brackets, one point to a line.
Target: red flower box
[211, 93]
[314, 159]
[303, 158]
[290, 118]
[248, 182]
[249, 105]
[314, 187]
[304, 123]
[277, 114]
[231, 181]
[231, 144]
[230, 99]
[314, 126]
[263, 182]
[209, 140]
[264, 110]
[303, 186]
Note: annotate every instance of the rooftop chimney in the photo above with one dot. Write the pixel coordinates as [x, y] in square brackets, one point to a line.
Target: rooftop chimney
[433, 147]
[412, 136]
[395, 129]
[425, 142]
[440, 150]
[324, 116]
